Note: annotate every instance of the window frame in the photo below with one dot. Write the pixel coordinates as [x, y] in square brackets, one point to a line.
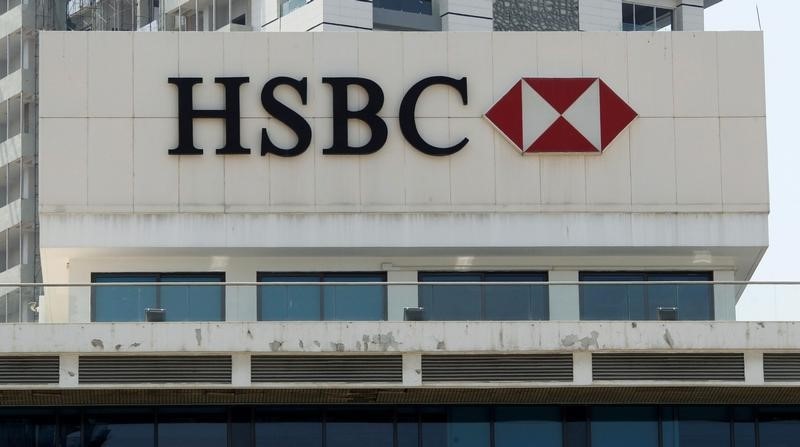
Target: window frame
[321, 275]
[158, 276]
[482, 273]
[708, 276]
[655, 16]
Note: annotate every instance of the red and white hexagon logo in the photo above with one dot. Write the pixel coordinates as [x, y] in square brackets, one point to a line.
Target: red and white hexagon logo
[560, 115]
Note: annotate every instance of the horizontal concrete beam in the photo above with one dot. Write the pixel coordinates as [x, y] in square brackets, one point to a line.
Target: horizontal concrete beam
[376, 337]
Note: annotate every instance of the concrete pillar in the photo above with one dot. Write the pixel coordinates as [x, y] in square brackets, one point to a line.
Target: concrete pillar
[412, 369]
[67, 370]
[400, 297]
[466, 15]
[689, 16]
[582, 368]
[240, 369]
[724, 297]
[564, 299]
[241, 302]
[753, 368]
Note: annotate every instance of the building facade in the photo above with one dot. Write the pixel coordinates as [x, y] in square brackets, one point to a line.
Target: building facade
[397, 238]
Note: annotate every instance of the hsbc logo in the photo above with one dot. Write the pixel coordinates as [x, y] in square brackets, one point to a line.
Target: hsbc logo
[537, 115]
[558, 115]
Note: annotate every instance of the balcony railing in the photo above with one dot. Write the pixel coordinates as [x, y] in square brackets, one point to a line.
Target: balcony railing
[197, 300]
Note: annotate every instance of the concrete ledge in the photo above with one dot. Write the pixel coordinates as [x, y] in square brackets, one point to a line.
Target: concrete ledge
[377, 337]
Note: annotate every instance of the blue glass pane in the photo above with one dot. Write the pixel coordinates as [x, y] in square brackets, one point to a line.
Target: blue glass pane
[288, 428]
[354, 303]
[451, 302]
[33, 431]
[693, 301]
[528, 427]
[468, 427]
[189, 303]
[627, 17]
[699, 427]
[433, 427]
[624, 427]
[778, 427]
[576, 430]
[290, 303]
[362, 428]
[407, 428]
[744, 427]
[114, 428]
[612, 302]
[196, 427]
[515, 302]
[123, 303]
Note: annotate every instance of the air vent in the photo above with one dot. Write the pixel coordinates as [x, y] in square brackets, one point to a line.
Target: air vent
[155, 369]
[326, 368]
[32, 369]
[484, 368]
[665, 367]
[781, 367]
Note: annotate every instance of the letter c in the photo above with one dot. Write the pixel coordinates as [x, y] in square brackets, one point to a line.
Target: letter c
[408, 123]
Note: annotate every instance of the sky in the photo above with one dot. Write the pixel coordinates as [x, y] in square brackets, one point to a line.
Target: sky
[778, 20]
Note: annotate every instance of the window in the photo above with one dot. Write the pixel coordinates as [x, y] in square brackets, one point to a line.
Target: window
[489, 302]
[180, 303]
[624, 427]
[413, 6]
[288, 6]
[519, 426]
[645, 18]
[288, 428]
[392, 426]
[645, 302]
[317, 303]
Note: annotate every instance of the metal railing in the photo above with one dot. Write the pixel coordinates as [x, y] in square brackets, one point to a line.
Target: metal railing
[439, 300]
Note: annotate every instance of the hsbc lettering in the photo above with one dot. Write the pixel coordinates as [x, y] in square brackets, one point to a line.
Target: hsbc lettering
[342, 114]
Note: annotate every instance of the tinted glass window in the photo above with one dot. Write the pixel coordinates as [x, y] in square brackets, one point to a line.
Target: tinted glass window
[197, 427]
[407, 427]
[779, 427]
[446, 302]
[576, 430]
[359, 303]
[20, 429]
[180, 303]
[363, 428]
[624, 427]
[123, 303]
[627, 17]
[315, 303]
[697, 427]
[744, 427]
[120, 428]
[290, 303]
[189, 303]
[288, 428]
[515, 302]
[528, 427]
[693, 302]
[484, 302]
[645, 302]
[644, 18]
[612, 302]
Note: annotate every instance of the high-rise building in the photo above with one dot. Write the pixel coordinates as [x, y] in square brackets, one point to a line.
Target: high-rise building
[404, 238]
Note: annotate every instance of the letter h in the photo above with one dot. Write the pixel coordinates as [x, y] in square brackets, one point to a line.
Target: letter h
[187, 113]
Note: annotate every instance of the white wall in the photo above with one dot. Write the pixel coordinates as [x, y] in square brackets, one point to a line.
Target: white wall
[684, 187]
[688, 106]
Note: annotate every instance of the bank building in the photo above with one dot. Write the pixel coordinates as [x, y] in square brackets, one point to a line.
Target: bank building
[386, 223]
